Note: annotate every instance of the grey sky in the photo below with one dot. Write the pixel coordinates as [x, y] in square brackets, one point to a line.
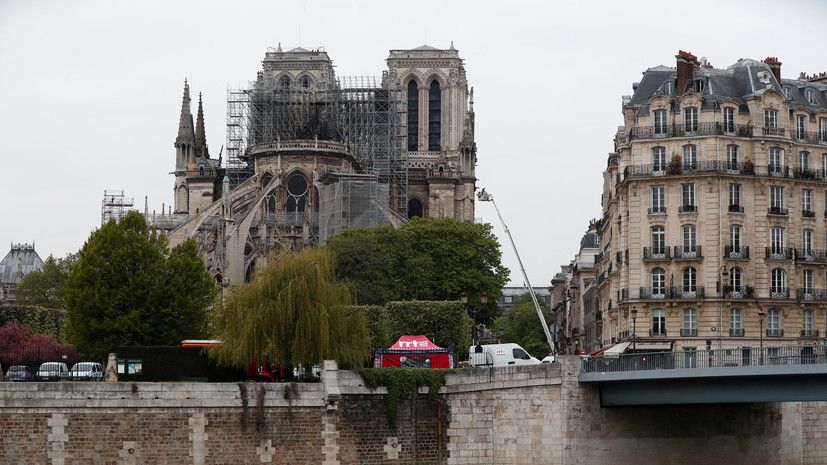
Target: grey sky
[90, 93]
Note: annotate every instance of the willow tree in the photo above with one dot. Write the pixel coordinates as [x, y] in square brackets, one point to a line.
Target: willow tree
[293, 313]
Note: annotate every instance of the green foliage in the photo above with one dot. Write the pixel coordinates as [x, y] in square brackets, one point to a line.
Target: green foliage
[292, 313]
[444, 323]
[522, 326]
[128, 289]
[46, 287]
[402, 382]
[379, 327]
[40, 320]
[425, 259]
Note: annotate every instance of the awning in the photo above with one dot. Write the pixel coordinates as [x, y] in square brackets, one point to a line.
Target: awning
[664, 346]
[616, 349]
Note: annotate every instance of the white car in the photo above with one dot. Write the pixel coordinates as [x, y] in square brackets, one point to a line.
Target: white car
[52, 371]
[86, 371]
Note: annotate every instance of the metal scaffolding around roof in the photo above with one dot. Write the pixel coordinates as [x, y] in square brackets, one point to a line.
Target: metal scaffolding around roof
[115, 205]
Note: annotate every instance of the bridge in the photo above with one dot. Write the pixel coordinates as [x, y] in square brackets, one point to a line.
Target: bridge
[721, 376]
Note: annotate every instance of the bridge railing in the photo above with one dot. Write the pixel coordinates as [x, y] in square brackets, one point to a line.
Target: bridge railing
[716, 358]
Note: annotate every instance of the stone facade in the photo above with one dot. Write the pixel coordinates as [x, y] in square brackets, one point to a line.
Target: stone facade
[714, 220]
[509, 415]
[301, 142]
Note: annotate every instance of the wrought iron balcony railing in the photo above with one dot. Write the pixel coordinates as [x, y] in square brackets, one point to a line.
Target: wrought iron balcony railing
[736, 252]
[779, 293]
[811, 255]
[809, 333]
[738, 292]
[689, 332]
[775, 332]
[777, 211]
[811, 294]
[736, 332]
[736, 209]
[657, 253]
[680, 130]
[672, 292]
[688, 209]
[688, 252]
[778, 253]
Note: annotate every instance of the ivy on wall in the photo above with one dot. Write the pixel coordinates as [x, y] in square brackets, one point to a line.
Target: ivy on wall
[402, 382]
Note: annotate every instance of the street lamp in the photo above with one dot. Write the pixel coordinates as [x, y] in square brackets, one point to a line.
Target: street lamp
[634, 329]
[761, 335]
[473, 309]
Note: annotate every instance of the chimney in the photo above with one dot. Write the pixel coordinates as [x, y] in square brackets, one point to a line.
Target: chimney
[687, 63]
[775, 67]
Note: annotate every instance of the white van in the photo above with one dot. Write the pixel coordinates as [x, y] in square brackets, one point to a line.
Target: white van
[499, 355]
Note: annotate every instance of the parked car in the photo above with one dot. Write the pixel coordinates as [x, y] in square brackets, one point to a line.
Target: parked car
[86, 371]
[53, 371]
[19, 373]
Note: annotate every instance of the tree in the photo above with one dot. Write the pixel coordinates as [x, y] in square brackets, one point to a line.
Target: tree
[127, 288]
[46, 287]
[523, 327]
[293, 313]
[425, 259]
[444, 323]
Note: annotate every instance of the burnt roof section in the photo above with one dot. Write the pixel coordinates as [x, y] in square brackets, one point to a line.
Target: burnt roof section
[22, 255]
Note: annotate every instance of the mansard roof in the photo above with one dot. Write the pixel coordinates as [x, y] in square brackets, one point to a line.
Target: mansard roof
[23, 254]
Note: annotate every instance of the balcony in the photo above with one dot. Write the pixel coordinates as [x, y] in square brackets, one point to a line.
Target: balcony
[672, 292]
[777, 211]
[688, 209]
[657, 332]
[771, 131]
[811, 294]
[657, 210]
[810, 255]
[689, 332]
[736, 332]
[779, 253]
[738, 292]
[775, 332]
[802, 173]
[779, 293]
[688, 252]
[808, 214]
[779, 171]
[736, 252]
[736, 209]
[679, 130]
[809, 333]
[707, 166]
[656, 253]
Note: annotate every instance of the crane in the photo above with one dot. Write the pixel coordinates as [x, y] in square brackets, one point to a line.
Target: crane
[483, 196]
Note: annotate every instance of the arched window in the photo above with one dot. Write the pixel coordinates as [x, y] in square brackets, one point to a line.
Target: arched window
[413, 116]
[414, 208]
[434, 117]
[284, 82]
[689, 275]
[778, 283]
[658, 283]
[296, 197]
[305, 82]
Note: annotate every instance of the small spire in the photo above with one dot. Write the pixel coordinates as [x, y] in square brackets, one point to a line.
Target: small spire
[185, 132]
[200, 133]
[278, 50]
[452, 46]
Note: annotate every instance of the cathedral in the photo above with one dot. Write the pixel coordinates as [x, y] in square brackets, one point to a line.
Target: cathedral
[309, 154]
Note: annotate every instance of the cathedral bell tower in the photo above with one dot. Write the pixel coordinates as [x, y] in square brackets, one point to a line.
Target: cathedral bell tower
[194, 173]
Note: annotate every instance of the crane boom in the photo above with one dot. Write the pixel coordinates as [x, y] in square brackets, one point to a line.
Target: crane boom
[486, 197]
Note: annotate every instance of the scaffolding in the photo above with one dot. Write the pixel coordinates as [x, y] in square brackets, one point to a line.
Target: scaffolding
[115, 206]
[351, 201]
[357, 111]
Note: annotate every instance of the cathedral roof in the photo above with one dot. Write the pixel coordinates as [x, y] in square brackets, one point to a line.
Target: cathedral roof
[23, 255]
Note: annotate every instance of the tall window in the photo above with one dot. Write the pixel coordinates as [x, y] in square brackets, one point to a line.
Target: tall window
[770, 118]
[807, 202]
[284, 82]
[296, 196]
[690, 157]
[660, 122]
[736, 279]
[729, 120]
[659, 159]
[658, 283]
[689, 241]
[804, 161]
[778, 240]
[689, 276]
[822, 130]
[434, 117]
[736, 322]
[689, 323]
[800, 127]
[811, 95]
[688, 197]
[807, 329]
[807, 241]
[658, 240]
[658, 201]
[824, 165]
[774, 323]
[690, 119]
[735, 238]
[413, 116]
[658, 322]
[735, 197]
[732, 157]
[776, 160]
[778, 281]
[776, 198]
[807, 281]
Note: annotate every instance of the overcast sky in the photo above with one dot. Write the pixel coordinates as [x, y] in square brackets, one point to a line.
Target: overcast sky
[90, 93]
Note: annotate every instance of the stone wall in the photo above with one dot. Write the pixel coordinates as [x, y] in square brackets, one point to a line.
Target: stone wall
[513, 415]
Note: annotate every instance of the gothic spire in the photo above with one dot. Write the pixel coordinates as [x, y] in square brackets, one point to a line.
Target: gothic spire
[185, 129]
[200, 134]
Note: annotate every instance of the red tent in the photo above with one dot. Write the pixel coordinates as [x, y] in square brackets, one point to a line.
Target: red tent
[414, 351]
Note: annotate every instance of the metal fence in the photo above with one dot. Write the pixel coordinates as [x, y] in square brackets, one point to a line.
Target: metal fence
[737, 357]
[34, 356]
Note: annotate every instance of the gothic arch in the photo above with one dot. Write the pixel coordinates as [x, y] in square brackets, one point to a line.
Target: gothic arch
[438, 75]
[415, 208]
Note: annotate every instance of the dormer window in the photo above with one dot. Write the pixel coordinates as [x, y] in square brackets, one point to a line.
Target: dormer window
[788, 93]
[811, 95]
[698, 85]
[667, 87]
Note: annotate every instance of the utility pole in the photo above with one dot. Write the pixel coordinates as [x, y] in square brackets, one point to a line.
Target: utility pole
[486, 197]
